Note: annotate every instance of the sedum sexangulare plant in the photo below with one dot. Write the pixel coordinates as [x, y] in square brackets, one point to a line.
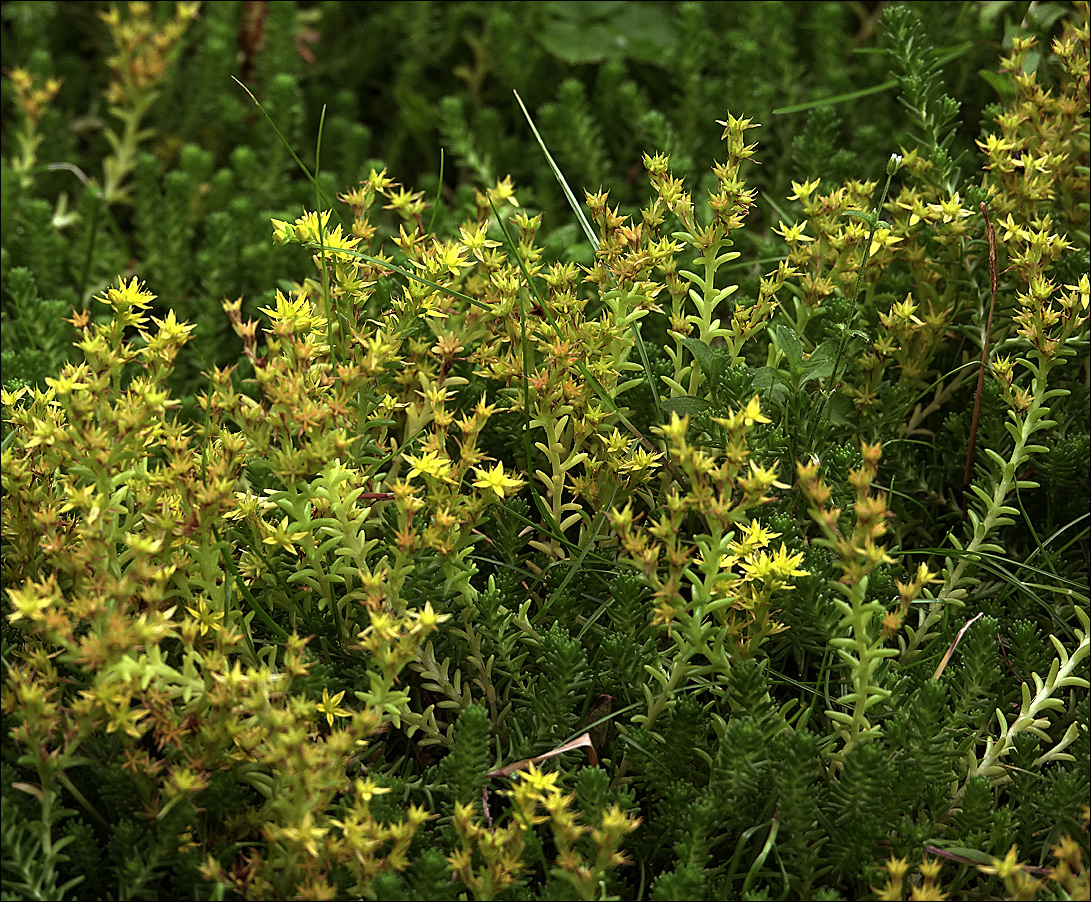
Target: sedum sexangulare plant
[143, 54]
[464, 517]
[32, 99]
[195, 555]
[126, 584]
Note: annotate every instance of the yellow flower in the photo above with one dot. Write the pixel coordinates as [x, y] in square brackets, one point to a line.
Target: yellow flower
[447, 256]
[539, 783]
[124, 718]
[185, 781]
[66, 382]
[484, 410]
[1006, 868]
[949, 210]
[307, 834]
[206, 617]
[496, 480]
[615, 443]
[804, 190]
[284, 538]
[379, 181]
[640, 462]
[793, 233]
[776, 568]
[476, 240]
[33, 601]
[406, 202]
[430, 464]
[297, 312]
[367, 789]
[746, 417]
[429, 620]
[883, 238]
[752, 414]
[10, 398]
[755, 537]
[504, 191]
[21, 79]
[329, 706]
[901, 314]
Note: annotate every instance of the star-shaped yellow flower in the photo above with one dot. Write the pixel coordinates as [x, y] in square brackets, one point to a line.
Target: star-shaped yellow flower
[329, 706]
[430, 464]
[496, 480]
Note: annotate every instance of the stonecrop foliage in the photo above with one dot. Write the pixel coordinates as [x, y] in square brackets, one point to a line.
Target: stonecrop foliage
[484, 573]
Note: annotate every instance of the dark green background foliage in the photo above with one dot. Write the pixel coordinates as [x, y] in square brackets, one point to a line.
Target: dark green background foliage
[604, 82]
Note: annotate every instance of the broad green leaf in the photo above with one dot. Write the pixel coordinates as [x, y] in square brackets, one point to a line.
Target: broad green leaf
[820, 364]
[840, 410]
[591, 32]
[686, 406]
[866, 216]
[789, 343]
[704, 356]
[1001, 84]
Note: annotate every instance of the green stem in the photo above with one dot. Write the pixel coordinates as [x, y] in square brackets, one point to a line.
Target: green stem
[997, 513]
[681, 669]
[843, 341]
[864, 655]
[124, 157]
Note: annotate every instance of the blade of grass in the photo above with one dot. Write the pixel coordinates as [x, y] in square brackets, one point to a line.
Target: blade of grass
[994, 564]
[649, 376]
[784, 217]
[592, 535]
[322, 242]
[409, 441]
[554, 530]
[439, 192]
[405, 273]
[951, 650]
[604, 395]
[759, 862]
[836, 99]
[942, 60]
[525, 350]
[99, 207]
[593, 238]
[228, 583]
[244, 590]
[971, 444]
[571, 546]
[324, 201]
[93, 228]
[842, 344]
[584, 224]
